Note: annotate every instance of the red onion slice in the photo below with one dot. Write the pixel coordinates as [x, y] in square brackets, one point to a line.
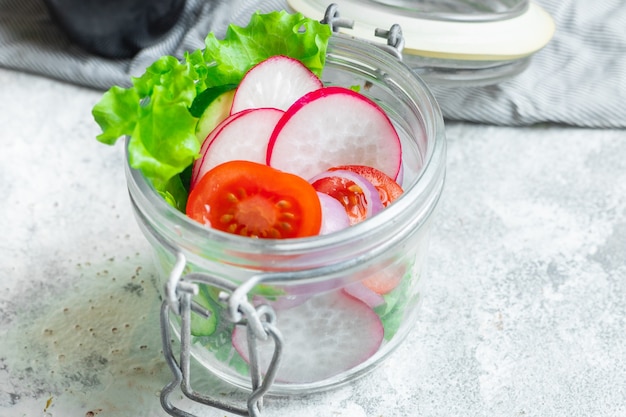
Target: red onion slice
[361, 292]
[334, 216]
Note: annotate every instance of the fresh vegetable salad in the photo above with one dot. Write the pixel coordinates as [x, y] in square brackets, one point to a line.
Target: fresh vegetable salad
[244, 137]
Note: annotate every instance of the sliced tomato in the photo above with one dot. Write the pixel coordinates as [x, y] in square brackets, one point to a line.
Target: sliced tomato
[386, 280]
[255, 200]
[387, 188]
[351, 196]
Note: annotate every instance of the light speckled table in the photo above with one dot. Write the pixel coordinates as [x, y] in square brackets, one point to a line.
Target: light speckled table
[525, 314]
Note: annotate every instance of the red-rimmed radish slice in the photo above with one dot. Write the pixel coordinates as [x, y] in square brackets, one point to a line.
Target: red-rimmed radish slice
[387, 188]
[359, 198]
[334, 216]
[205, 145]
[334, 126]
[243, 137]
[276, 82]
[323, 337]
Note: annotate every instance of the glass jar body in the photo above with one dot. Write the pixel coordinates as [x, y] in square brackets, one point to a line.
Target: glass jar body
[345, 300]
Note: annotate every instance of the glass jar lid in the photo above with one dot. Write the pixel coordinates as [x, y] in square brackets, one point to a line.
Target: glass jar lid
[452, 40]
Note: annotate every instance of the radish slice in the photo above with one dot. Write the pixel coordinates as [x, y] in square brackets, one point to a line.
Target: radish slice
[334, 216]
[244, 136]
[276, 82]
[325, 336]
[334, 126]
[205, 145]
[339, 188]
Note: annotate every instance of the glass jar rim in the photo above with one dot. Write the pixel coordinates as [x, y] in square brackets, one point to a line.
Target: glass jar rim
[144, 195]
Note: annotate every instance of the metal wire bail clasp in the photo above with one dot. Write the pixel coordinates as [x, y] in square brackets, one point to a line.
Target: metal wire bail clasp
[394, 36]
[259, 321]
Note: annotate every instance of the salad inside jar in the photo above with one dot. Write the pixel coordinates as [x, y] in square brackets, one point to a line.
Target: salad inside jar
[247, 138]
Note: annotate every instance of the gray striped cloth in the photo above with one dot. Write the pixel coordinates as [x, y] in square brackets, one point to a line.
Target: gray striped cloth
[579, 79]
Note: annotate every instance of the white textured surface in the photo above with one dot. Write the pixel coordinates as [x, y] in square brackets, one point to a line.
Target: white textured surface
[526, 313]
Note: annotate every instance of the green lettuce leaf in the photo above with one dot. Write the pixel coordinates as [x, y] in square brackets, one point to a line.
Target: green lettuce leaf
[155, 111]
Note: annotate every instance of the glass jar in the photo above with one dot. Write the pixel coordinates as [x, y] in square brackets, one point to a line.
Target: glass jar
[336, 323]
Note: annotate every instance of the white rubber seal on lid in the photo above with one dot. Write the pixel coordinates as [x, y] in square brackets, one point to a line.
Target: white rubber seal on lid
[508, 39]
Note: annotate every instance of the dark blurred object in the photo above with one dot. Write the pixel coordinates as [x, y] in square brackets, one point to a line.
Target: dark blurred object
[115, 28]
